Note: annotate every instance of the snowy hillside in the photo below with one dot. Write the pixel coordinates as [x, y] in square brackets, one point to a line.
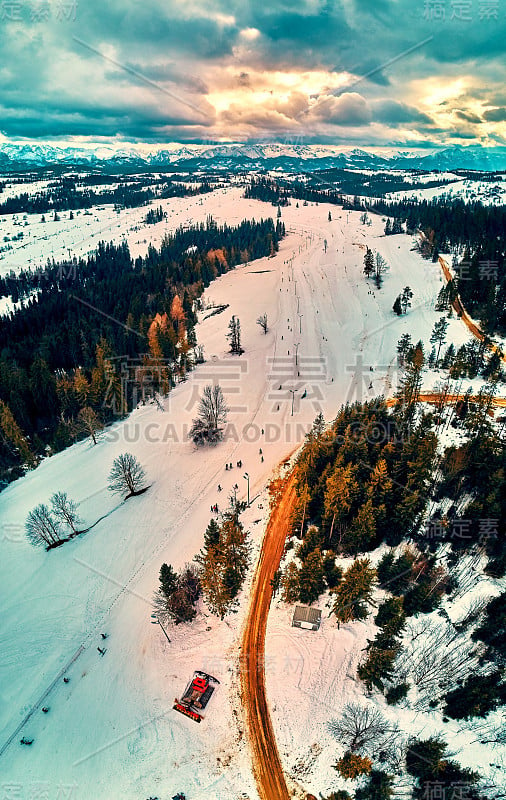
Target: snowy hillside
[110, 731]
[486, 192]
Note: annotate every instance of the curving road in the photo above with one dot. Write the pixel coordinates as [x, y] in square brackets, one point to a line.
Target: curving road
[435, 397]
[266, 762]
[466, 319]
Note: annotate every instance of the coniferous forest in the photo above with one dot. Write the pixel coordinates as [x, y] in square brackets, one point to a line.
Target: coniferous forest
[70, 193]
[476, 235]
[376, 476]
[61, 352]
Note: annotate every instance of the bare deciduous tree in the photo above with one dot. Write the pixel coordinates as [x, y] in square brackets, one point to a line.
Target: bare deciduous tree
[89, 422]
[435, 658]
[65, 510]
[262, 321]
[359, 725]
[126, 475]
[160, 608]
[380, 267]
[212, 416]
[41, 527]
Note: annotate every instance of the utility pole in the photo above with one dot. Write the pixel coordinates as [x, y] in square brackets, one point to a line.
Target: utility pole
[156, 621]
[293, 395]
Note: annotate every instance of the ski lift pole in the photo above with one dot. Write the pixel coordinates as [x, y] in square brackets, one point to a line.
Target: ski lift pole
[156, 621]
[293, 395]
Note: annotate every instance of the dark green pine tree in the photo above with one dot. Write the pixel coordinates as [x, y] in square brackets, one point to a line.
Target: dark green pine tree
[448, 357]
[354, 592]
[379, 786]
[311, 579]
[476, 697]
[212, 535]
[168, 580]
[378, 666]
[369, 263]
[406, 296]
[493, 367]
[234, 336]
[428, 762]
[391, 616]
[404, 344]
[331, 571]
[438, 335]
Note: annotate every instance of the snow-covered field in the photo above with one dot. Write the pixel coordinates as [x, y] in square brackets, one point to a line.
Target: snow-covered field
[14, 187]
[110, 732]
[486, 192]
[80, 236]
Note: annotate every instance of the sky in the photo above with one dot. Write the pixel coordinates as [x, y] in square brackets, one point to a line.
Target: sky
[405, 73]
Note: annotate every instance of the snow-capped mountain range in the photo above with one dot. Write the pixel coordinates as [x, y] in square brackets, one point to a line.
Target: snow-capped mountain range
[251, 156]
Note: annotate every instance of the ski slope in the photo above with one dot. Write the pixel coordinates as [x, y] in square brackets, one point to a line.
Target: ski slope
[110, 731]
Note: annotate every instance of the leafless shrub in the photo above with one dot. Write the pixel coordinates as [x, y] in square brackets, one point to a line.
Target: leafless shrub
[262, 321]
[434, 658]
[359, 726]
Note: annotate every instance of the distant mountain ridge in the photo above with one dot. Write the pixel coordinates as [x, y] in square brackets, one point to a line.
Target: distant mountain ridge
[271, 156]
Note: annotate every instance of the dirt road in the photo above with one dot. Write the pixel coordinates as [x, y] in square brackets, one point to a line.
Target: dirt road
[435, 397]
[266, 762]
[461, 311]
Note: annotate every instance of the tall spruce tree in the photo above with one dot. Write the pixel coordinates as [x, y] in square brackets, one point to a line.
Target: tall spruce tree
[369, 263]
[234, 336]
[438, 335]
[354, 592]
[168, 580]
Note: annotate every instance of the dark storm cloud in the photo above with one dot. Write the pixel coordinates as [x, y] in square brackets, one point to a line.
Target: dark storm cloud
[52, 122]
[495, 115]
[467, 116]
[150, 28]
[463, 134]
[302, 39]
[393, 112]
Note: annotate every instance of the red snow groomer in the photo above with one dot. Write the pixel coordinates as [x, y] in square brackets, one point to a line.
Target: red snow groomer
[196, 696]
